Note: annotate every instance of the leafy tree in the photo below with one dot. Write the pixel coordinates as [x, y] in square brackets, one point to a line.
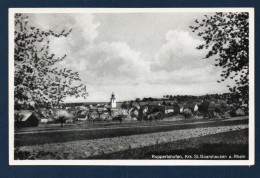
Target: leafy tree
[119, 118]
[124, 105]
[187, 113]
[137, 100]
[38, 80]
[226, 36]
[61, 116]
[18, 117]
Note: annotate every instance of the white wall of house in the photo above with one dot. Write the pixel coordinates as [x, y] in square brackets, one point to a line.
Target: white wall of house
[44, 120]
[169, 111]
[196, 108]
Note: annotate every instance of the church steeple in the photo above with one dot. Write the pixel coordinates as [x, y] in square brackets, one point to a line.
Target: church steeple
[113, 100]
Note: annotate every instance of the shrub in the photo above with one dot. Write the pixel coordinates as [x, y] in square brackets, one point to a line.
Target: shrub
[61, 116]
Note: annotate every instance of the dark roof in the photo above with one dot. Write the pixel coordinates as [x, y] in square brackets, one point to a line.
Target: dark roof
[239, 109]
[176, 106]
[25, 113]
[155, 103]
[82, 116]
[169, 102]
[142, 103]
[181, 105]
[190, 105]
[211, 107]
[169, 107]
[93, 111]
[85, 103]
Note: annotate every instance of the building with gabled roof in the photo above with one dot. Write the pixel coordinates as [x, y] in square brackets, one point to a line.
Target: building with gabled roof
[168, 109]
[239, 112]
[27, 119]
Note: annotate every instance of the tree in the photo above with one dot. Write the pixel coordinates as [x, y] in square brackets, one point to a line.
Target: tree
[38, 80]
[119, 118]
[226, 36]
[137, 100]
[203, 108]
[18, 117]
[187, 113]
[61, 116]
[124, 105]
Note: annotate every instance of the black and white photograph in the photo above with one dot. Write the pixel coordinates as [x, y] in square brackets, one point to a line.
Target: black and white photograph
[126, 86]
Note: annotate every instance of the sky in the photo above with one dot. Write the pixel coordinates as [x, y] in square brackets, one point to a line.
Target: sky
[134, 55]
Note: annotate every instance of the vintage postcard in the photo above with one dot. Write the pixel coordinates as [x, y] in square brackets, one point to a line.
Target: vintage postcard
[126, 86]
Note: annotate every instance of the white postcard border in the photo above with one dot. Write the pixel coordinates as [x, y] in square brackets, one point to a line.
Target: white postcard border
[249, 162]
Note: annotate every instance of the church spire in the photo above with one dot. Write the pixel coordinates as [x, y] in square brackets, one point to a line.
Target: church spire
[113, 100]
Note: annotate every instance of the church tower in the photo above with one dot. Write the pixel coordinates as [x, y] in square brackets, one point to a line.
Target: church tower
[113, 101]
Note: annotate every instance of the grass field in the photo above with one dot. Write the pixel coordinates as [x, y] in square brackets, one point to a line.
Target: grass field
[98, 124]
[105, 124]
[229, 144]
[38, 138]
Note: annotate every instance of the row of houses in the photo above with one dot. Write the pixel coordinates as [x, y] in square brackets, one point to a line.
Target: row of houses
[128, 109]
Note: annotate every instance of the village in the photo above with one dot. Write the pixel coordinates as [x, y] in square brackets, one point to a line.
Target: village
[131, 129]
[103, 96]
[147, 109]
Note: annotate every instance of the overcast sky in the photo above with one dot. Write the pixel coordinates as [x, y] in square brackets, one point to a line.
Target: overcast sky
[133, 54]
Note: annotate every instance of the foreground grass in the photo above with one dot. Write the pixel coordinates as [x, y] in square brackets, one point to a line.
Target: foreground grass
[73, 135]
[229, 143]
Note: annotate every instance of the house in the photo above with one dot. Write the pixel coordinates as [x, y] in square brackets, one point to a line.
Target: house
[81, 113]
[93, 115]
[181, 106]
[196, 108]
[114, 112]
[144, 103]
[239, 112]
[170, 102]
[193, 106]
[82, 117]
[44, 120]
[144, 109]
[155, 106]
[156, 103]
[26, 118]
[122, 111]
[136, 105]
[104, 116]
[47, 120]
[136, 113]
[168, 109]
[133, 112]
